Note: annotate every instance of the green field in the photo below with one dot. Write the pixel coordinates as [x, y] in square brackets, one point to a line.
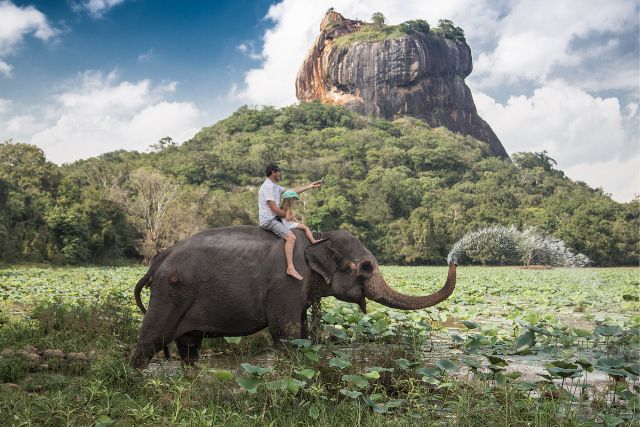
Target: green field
[509, 347]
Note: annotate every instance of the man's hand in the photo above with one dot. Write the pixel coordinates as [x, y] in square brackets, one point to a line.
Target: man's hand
[316, 184]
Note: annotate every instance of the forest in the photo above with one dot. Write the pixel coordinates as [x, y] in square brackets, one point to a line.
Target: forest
[408, 191]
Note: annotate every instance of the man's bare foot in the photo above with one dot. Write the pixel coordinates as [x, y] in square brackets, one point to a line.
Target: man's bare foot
[294, 273]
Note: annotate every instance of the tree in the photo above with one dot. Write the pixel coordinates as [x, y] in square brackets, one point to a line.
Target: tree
[378, 21]
[26, 166]
[163, 144]
[450, 31]
[534, 160]
[162, 210]
[29, 185]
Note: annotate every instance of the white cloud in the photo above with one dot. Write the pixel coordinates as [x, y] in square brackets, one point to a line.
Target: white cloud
[536, 35]
[168, 87]
[146, 56]
[5, 104]
[19, 127]
[5, 69]
[247, 48]
[585, 134]
[100, 113]
[97, 8]
[572, 125]
[620, 178]
[15, 23]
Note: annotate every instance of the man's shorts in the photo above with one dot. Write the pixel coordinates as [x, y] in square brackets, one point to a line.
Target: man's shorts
[276, 227]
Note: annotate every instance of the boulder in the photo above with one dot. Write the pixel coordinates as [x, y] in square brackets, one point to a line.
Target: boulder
[418, 74]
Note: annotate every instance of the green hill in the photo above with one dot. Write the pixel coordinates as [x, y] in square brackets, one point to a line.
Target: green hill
[407, 190]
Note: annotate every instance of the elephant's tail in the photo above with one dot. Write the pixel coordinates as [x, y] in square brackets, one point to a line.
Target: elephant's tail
[146, 279]
[141, 284]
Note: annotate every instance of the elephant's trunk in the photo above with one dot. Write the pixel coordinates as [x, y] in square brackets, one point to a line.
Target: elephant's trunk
[377, 290]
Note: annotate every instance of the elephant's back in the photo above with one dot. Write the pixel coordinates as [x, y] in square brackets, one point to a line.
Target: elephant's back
[241, 253]
[240, 241]
[238, 235]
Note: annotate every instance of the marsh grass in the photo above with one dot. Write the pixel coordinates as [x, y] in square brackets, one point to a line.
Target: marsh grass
[107, 391]
[376, 372]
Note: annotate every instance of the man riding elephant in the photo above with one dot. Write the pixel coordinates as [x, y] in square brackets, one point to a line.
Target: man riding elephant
[270, 214]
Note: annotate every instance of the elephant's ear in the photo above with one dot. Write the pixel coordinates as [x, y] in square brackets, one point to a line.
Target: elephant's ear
[321, 258]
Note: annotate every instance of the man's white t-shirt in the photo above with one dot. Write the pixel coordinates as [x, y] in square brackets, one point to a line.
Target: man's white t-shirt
[269, 190]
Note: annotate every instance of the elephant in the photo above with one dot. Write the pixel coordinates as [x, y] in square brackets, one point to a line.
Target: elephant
[232, 281]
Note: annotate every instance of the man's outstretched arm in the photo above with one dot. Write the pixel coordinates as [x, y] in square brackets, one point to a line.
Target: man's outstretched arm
[315, 184]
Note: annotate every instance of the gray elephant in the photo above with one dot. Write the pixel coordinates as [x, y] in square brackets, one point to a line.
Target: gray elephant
[231, 281]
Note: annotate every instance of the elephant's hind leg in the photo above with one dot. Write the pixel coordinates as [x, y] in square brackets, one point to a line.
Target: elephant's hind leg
[189, 346]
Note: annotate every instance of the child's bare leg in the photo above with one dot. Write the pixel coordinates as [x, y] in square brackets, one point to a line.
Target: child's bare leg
[290, 240]
[307, 231]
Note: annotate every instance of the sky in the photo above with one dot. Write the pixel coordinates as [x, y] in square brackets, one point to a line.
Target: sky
[83, 77]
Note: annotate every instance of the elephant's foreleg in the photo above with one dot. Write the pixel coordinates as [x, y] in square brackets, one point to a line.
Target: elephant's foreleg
[285, 326]
[189, 346]
[304, 323]
[284, 308]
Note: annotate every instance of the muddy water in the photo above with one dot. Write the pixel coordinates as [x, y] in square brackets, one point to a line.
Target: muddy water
[160, 367]
[530, 365]
[367, 354]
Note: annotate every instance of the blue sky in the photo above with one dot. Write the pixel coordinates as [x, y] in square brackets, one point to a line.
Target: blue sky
[191, 42]
[83, 77]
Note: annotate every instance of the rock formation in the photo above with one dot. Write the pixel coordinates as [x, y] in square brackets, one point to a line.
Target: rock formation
[418, 74]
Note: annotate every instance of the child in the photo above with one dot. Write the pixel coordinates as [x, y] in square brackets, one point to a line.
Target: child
[289, 200]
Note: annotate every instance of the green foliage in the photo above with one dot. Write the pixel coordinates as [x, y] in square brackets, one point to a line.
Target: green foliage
[378, 31]
[25, 166]
[534, 160]
[369, 33]
[415, 26]
[406, 190]
[166, 143]
[378, 21]
[448, 30]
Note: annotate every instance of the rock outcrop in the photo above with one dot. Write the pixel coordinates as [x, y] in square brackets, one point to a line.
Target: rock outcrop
[420, 74]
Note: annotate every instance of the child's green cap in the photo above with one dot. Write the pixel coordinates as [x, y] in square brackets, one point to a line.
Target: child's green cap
[290, 194]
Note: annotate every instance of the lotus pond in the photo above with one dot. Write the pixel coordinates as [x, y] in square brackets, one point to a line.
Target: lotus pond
[510, 347]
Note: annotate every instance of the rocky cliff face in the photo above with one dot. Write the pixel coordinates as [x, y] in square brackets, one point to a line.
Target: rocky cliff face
[419, 75]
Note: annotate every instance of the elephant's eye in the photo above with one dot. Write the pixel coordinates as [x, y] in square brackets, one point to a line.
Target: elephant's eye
[366, 266]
